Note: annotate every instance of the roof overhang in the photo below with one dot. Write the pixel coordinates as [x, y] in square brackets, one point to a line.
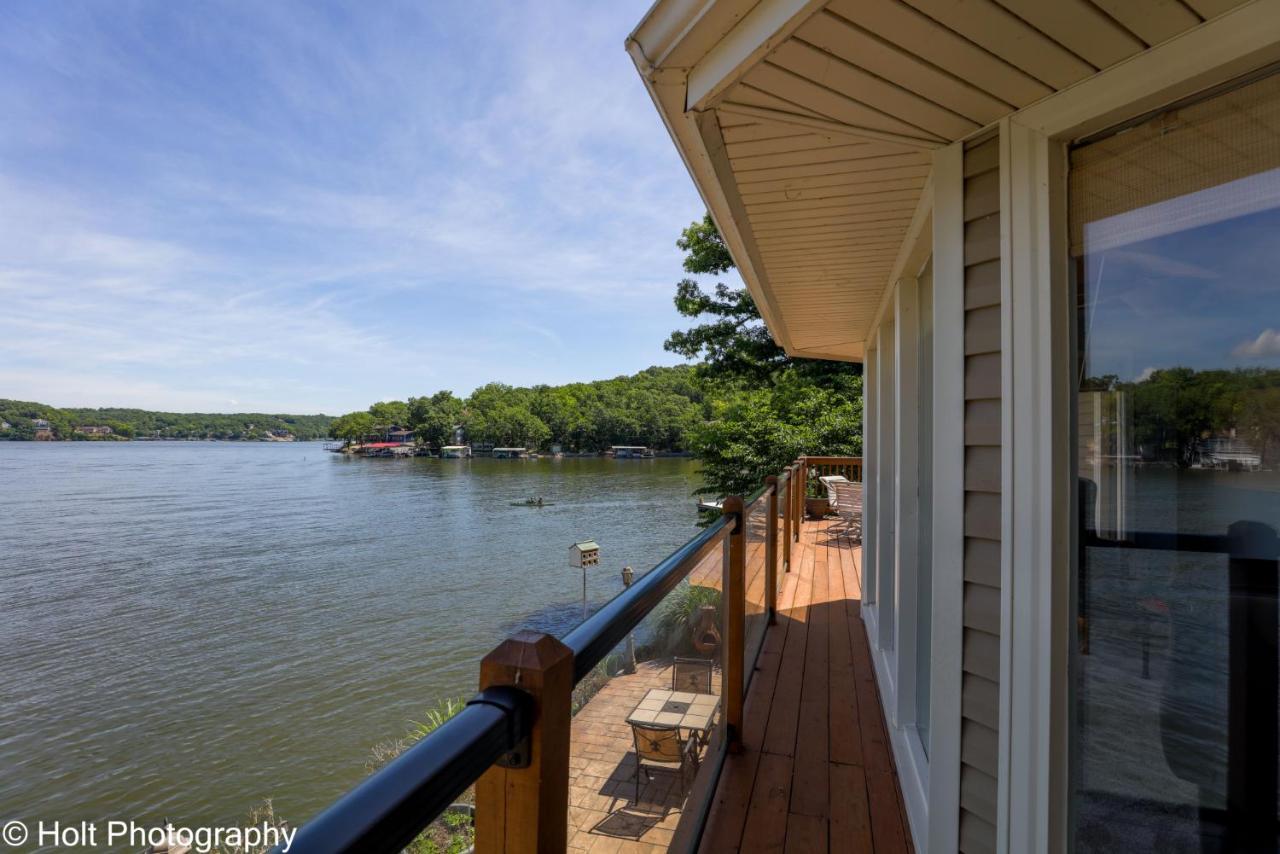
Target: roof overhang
[809, 126]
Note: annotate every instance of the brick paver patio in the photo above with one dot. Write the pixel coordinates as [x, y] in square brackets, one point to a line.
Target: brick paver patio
[603, 812]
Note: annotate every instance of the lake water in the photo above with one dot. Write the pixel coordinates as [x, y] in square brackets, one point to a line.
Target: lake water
[189, 628]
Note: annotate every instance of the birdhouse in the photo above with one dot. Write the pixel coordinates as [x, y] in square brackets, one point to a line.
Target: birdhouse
[584, 554]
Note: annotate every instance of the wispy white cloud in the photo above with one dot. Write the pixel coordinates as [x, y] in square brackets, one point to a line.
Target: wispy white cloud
[1265, 345]
[309, 198]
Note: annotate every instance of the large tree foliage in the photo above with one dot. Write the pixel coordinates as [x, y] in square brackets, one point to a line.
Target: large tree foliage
[732, 343]
[751, 434]
[353, 427]
[766, 407]
[656, 407]
[435, 418]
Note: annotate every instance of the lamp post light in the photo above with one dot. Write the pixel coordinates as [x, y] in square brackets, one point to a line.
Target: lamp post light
[629, 659]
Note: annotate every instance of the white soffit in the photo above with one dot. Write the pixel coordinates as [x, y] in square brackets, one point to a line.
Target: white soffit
[809, 126]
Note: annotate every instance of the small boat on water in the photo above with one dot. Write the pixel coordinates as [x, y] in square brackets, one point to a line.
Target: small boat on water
[533, 502]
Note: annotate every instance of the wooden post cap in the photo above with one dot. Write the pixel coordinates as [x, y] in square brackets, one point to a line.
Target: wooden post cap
[527, 809]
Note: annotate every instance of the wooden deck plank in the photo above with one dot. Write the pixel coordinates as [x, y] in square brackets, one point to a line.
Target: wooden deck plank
[850, 811]
[846, 739]
[784, 716]
[887, 831]
[766, 826]
[806, 834]
[816, 773]
[809, 788]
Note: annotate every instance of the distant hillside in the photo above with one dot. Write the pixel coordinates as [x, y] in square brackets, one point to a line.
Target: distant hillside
[68, 423]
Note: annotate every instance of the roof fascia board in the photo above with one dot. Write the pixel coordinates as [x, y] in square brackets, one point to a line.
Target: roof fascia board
[856, 353]
[767, 25]
[691, 142]
[667, 24]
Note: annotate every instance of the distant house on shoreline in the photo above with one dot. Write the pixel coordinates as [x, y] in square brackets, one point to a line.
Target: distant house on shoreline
[95, 430]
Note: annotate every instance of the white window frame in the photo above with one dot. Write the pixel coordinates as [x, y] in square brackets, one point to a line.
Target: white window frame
[890, 526]
[947, 641]
[1034, 791]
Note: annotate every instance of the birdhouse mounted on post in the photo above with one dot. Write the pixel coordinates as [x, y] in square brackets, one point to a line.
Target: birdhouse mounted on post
[583, 555]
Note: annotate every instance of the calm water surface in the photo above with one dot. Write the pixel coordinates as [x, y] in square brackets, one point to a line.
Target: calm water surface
[188, 628]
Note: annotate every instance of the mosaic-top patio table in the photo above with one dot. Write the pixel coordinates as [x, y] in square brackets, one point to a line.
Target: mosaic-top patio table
[684, 709]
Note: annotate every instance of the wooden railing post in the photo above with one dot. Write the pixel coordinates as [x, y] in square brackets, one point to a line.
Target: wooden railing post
[526, 809]
[802, 469]
[771, 549]
[734, 606]
[797, 490]
[788, 508]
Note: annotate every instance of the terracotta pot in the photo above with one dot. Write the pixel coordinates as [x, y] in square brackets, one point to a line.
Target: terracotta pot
[817, 508]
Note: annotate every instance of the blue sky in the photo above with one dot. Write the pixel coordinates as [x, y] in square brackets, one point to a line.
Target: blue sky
[1202, 296]
[310, 206]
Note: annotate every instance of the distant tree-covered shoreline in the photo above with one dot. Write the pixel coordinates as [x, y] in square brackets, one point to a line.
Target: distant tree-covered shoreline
[656, 407]
[68, 424]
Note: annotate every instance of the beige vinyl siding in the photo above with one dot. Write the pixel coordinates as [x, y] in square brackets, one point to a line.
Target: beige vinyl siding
[979, 749]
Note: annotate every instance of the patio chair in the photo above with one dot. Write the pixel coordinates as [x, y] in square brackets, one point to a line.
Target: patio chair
[663, 745]
[691, 674]
[845, 497]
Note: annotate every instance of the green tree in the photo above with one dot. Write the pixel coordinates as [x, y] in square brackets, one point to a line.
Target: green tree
[753, 434]
[389, 413]
[434, 418]
[732, 342]
[353, 426]
[766, 408]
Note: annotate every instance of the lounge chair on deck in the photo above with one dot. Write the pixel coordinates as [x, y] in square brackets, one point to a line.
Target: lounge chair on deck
[845, 497]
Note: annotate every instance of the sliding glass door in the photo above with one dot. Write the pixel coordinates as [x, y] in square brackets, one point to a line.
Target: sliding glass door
[1175, 238]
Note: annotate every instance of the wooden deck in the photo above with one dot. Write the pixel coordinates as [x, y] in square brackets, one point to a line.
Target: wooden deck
[817, 773]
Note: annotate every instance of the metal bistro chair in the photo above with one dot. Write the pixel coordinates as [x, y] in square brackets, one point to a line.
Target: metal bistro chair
[692, 675]
[663, 745]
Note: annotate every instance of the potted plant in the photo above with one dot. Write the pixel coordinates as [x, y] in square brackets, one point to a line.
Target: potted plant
[816, 504]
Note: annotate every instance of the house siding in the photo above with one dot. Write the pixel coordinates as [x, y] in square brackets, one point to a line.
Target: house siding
[979, 728]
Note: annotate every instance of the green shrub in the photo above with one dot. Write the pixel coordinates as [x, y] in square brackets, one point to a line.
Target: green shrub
[678, 615]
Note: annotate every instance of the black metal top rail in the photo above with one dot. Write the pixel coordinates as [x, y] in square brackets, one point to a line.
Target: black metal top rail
[1244, 540]
[393, 805]
[595, 638]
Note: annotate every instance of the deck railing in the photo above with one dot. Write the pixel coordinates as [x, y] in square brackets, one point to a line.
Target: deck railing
[850, 467]
[512, 739]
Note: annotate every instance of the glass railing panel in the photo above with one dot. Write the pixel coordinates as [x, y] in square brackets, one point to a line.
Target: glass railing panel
[756, 611]
[648, 721]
